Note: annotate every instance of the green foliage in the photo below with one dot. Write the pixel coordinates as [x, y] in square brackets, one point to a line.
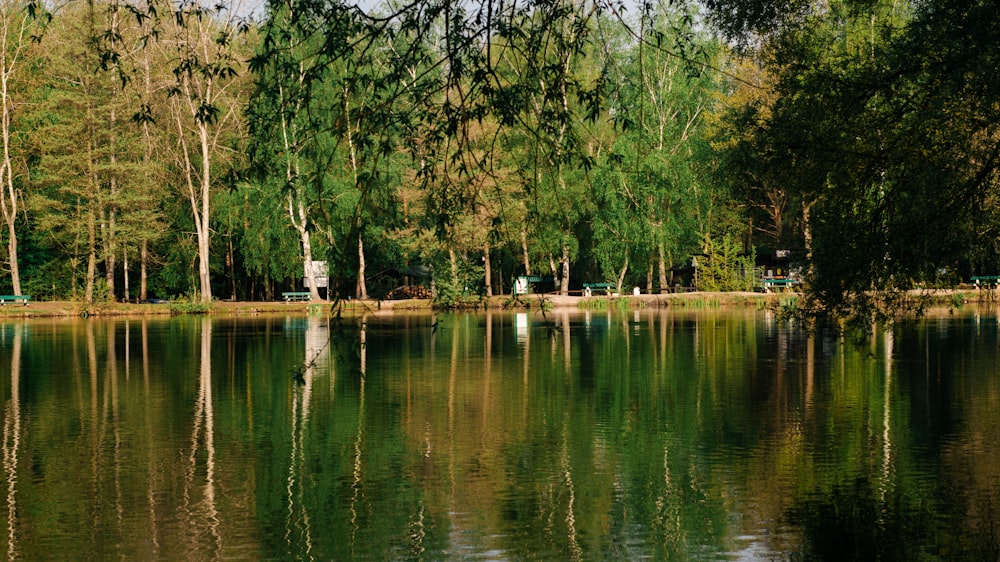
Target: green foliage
[859, 132]
[269, 249]
[880, 127]
[189, 305]
[699, 302]
[723, 267]
[650, 193]
[464, 289]
[102, 293]
[594, 303]
[958, 300]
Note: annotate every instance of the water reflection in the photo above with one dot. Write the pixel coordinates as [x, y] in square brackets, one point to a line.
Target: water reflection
[12, 437]
[199, 511]
[153, 476]
[298, 528]
[357, 482]
[664, 434]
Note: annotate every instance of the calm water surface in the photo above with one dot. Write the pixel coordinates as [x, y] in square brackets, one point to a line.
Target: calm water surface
[595, 436]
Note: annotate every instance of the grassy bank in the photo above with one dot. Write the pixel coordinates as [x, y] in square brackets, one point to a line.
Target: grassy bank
[693, 300]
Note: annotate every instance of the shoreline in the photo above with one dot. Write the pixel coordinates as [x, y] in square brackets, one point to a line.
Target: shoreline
[68, 309]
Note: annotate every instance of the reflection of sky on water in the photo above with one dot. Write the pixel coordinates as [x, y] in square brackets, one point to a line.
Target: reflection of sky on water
[521, 326]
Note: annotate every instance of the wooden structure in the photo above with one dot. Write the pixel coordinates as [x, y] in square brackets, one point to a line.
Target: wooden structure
[525, 284]
[405, 292]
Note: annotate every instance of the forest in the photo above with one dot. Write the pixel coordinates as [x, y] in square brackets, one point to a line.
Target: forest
[178, 149]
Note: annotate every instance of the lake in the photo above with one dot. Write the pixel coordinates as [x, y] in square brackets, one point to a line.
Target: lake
[661, 434]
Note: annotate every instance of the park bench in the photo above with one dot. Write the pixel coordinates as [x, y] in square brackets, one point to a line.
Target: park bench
[296, 296]
[773, 283]
[986, 280]
[606, 287]
[4, 299]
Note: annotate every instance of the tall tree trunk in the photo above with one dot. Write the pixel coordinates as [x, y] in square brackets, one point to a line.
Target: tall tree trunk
[564, 282]
[204, 232]
[8, 194]
[649, 279]
[198, 193]
[75, 260]
[621, 275]
[107, 236]
[125, 289]
[362, 286]
[231, 259]
[15, 275]
[362, 289]
[663, 268]
[91, 211]
[204, 273]
[807, 235]
[487, 273]
[109, 261]
[296, 205]
[454, 267]
[307, 258]
[110, 238]
[147, 160]
[202, 109]
[524, 252]
[88, 296]
[143, 273]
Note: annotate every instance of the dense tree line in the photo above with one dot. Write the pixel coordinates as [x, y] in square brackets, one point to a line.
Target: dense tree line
[211, 154]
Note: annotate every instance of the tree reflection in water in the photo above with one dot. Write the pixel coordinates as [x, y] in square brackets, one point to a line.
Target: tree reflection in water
[12, 437]
[669, 435]
[199, 511]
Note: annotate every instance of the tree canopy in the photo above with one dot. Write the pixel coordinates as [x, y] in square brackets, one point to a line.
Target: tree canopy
[588, 140]
[882, 127]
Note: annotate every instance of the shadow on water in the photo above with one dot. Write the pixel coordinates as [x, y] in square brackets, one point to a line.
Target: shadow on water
[857, 521]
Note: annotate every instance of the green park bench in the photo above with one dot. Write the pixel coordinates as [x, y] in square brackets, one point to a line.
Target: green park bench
[986, 280]
[296, 296]
[606, 287]
[774, 283]
[4, 299]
